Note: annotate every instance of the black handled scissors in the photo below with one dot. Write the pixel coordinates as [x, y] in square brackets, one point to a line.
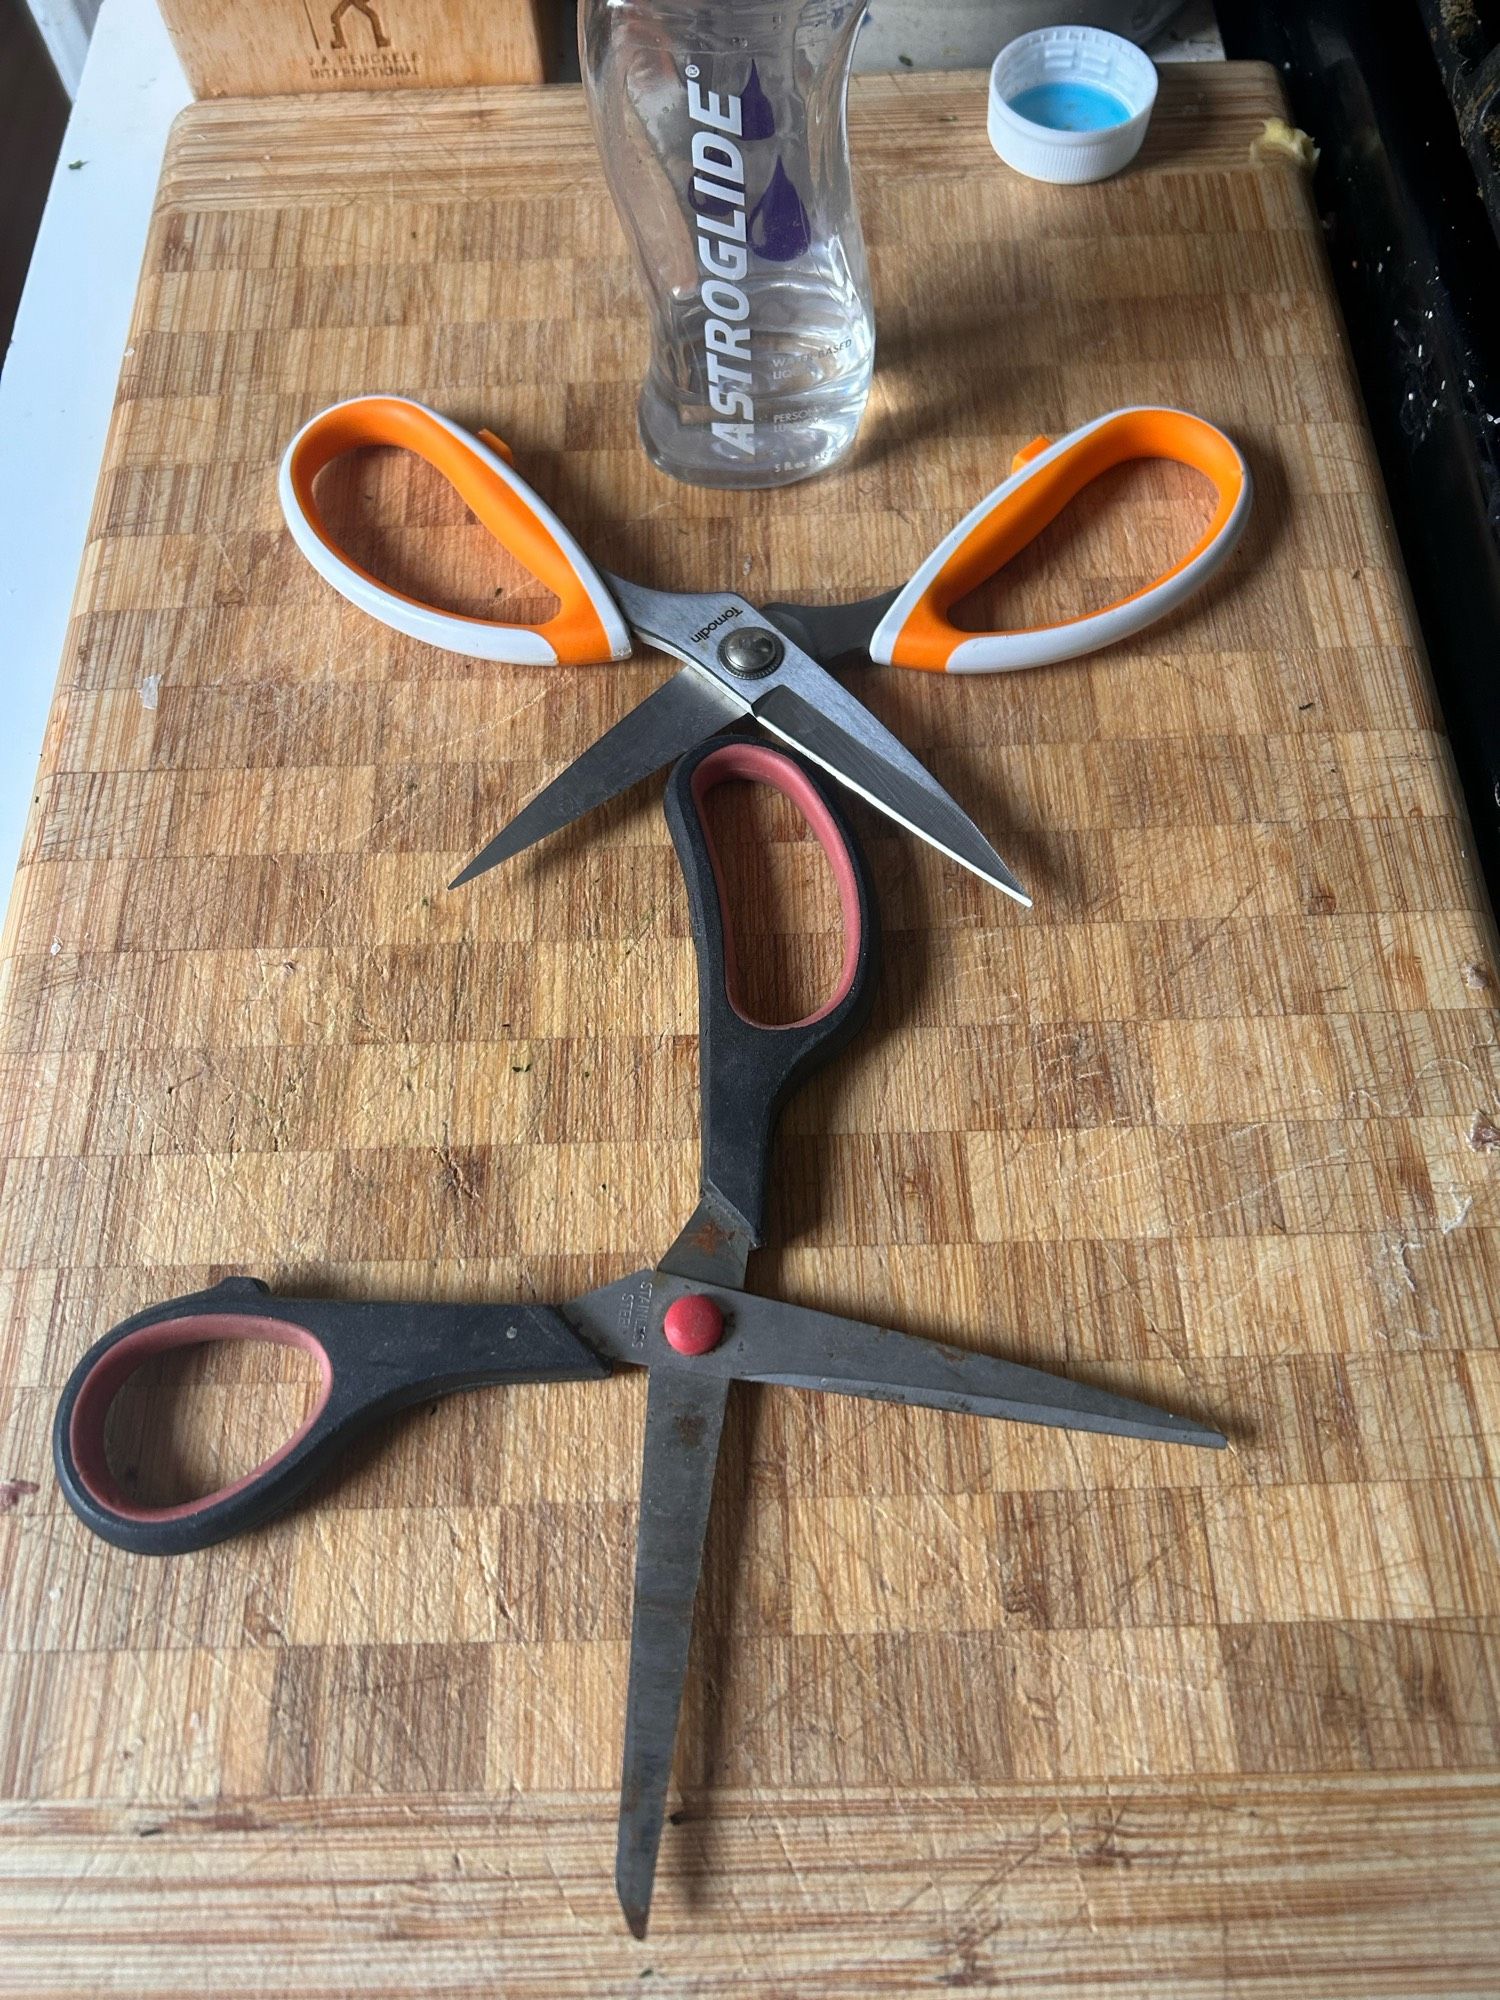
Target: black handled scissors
[688, 1321]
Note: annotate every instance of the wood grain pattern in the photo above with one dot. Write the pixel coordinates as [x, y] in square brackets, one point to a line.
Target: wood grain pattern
[301, 45]
[973, 1708]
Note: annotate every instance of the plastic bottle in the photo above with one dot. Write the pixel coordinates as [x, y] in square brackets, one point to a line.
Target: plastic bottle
[721, 128]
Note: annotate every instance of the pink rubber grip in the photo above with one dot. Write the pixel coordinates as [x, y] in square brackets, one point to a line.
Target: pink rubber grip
[764, 766]
[100, 1388]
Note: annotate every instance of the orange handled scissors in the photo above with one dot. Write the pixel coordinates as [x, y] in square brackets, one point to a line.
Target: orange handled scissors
[767, 665]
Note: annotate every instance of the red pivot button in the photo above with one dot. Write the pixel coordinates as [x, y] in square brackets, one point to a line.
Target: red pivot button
[693, 1324]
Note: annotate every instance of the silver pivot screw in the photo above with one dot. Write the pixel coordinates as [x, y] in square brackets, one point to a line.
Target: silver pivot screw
[751, 652]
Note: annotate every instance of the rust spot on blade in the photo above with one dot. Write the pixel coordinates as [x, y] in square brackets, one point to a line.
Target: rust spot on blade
[689, 1428]
[709, 1236]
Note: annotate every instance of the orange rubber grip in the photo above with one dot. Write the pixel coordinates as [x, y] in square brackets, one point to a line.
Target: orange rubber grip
[587, 627]
[1045, 476]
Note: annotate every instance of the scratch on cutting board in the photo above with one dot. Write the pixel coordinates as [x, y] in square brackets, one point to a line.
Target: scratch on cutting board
[1462, 1209]
[1395, 1280]
[547, 1702]
[240, 593]
[454, 1175]
[1075, 1859]
[1398, 1249]
[1080, 1668]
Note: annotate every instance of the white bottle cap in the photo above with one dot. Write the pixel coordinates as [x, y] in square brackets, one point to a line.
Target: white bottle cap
[1087, 56]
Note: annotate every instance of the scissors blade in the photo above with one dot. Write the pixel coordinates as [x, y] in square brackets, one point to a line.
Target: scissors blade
[614, 1318]
[803, 704]
[684, 1419]
[713, 1248]
[797, 1348]
[672, 718]
[827, 724]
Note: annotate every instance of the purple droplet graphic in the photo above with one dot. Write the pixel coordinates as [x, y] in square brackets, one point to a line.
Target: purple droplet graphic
[779, 228]
[757, 115]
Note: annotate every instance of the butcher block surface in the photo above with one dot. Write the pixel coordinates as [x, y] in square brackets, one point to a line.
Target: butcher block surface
[973, 1708]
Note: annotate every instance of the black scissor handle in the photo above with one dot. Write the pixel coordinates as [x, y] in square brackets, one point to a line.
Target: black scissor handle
[374, 1358]
[748, 1069]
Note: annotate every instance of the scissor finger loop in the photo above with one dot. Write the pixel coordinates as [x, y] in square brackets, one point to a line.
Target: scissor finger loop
[587, 628]
[372, 1358]
[916, 630]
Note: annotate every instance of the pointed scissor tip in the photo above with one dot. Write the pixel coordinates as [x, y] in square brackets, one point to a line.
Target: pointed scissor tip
[999, 877]
[637, 1918]
[1169, 1429]
[988, 866]
[487, 858]
[1210, 1440]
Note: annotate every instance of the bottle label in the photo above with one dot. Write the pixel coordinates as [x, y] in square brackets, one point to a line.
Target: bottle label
[723, 260]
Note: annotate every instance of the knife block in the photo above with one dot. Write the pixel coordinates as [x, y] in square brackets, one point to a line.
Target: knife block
[233, 49]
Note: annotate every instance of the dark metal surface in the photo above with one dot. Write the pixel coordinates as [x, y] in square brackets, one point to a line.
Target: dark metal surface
[712, 1248]
[1417, 270]
[672, 718]
[769, 1342]
[684, 1421]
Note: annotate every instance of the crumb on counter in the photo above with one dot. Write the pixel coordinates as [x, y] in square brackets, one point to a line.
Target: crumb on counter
[1278, 140]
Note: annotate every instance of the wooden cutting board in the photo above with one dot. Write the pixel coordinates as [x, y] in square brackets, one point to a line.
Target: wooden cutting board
[973, 1708]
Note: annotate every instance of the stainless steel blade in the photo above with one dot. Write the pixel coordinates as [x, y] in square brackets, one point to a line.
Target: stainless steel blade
[767, 1340]
[801, 702]
[674, 717]
[836, 731]
[714, 1249]
[686, 623]
[684, 1416]
[684, 1420]
[614, 1318]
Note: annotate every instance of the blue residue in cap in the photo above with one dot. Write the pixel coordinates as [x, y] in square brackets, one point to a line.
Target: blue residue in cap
[1070, 107]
